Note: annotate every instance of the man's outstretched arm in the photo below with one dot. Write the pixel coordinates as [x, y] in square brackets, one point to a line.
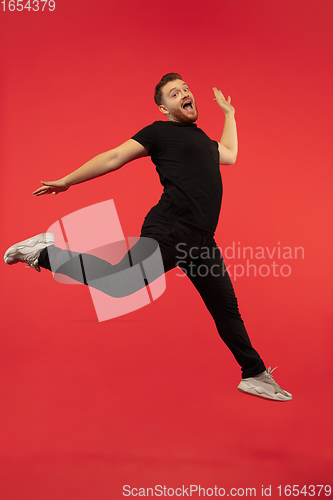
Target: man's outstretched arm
[228, 145]
[97, 166]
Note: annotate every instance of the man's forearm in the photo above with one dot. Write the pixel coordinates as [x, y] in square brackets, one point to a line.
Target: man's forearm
[229, 135]
[97, 166]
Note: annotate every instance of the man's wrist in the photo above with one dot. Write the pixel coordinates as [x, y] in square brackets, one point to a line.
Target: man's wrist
[230, 113]
[66, 182]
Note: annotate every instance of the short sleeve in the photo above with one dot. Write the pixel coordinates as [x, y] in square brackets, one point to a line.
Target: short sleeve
[147, 137]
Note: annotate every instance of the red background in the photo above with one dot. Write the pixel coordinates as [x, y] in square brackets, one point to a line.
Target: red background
[150, 398]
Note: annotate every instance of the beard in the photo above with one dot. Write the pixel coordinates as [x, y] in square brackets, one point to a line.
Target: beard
[184, 117]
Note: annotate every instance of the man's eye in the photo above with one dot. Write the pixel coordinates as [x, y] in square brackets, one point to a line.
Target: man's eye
[173, 95]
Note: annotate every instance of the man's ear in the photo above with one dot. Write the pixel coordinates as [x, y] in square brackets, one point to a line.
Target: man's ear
[163, 109]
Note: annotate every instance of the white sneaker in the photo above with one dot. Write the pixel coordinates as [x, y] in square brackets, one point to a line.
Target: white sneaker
[28, 251]
[264, 386]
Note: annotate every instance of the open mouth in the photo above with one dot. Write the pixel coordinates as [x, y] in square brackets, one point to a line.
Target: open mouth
[188, 106]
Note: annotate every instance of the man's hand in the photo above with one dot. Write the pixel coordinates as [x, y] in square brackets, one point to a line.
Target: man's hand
[53, 187]
[221, 101]
[228, 145]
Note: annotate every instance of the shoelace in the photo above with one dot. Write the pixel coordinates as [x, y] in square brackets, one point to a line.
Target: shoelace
[31, 261]
[269, 372]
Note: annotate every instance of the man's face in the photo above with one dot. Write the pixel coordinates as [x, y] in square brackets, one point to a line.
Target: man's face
[178, 103]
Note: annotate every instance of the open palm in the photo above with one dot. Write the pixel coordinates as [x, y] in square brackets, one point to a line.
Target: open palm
[53, 187]
[222, 102]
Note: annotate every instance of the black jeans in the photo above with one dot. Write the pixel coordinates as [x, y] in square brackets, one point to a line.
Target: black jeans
[195, 252]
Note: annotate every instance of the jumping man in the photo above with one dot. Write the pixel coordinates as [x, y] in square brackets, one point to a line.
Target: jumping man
[184, 220]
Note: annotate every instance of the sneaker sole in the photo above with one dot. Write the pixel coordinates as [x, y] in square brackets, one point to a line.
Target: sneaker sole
[259, 392]
[42, 240]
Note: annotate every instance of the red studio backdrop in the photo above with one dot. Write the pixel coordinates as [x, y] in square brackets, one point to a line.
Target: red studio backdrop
[149, 398]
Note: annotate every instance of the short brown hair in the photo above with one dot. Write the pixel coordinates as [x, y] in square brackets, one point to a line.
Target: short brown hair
[169, 77]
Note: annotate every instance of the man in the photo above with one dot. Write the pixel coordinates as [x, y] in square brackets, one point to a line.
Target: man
[184, 220]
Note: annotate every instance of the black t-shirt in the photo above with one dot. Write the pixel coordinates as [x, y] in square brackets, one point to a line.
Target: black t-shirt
[187, 161]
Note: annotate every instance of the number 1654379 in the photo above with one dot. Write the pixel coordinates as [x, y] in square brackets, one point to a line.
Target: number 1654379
[28, 5]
